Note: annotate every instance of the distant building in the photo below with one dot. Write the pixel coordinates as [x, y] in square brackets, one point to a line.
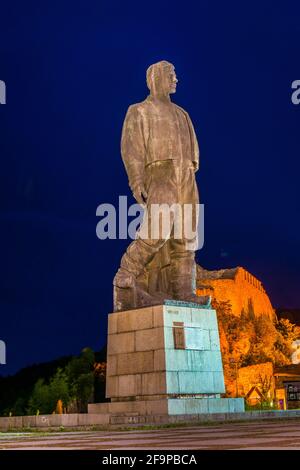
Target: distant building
[279, 386]
[287, 383]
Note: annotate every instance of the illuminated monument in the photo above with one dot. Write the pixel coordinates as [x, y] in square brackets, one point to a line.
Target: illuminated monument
[163, 356]
[160, 153]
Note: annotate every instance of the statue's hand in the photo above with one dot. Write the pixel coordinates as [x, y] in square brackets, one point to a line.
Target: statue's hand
[196, 166]
[140, 194]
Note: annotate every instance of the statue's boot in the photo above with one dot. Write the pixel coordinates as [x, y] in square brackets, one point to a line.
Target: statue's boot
[183, 280]
[127, 293]
[133, 263]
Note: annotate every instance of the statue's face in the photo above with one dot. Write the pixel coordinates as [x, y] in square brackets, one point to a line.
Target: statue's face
[164, 81]
[171, 80]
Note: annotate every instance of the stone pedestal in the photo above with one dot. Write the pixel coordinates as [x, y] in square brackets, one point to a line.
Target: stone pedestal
[165, 360]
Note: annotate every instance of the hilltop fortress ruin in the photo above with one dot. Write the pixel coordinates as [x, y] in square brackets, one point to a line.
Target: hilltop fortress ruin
[243, 290]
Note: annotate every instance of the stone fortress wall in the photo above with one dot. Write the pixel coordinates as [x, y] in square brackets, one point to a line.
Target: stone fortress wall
[243, 290]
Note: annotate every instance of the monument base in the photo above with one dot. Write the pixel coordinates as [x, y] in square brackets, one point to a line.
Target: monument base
[170, 407]
[165, 361]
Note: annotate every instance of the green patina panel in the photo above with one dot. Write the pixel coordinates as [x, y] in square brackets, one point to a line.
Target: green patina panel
[197, 368]
[194, 406]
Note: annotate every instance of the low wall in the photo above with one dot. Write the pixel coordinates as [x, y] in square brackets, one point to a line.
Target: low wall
[75, 420]
[72, 420]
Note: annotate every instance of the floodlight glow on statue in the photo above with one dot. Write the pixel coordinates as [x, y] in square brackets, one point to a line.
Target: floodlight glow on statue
[161, 155]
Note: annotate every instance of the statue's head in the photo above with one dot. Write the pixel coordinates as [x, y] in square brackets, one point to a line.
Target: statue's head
[161, 78]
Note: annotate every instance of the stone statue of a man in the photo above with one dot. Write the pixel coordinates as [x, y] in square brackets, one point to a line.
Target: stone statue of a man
[160, 152]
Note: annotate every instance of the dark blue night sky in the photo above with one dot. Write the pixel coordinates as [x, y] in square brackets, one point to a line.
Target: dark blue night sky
[71, 70]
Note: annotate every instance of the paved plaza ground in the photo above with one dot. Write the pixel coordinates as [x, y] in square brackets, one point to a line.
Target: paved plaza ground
[240, 436]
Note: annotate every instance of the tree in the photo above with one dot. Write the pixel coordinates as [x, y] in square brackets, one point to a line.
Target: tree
[251, 339]
[45, 396]
[289, 330]
[59, 389]
[80, 372]
[39, 401]
[239, 333]
[265, 383]
[18, 409]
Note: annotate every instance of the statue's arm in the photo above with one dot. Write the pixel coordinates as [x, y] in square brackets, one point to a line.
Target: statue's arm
[133, 152]
[194, 142]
